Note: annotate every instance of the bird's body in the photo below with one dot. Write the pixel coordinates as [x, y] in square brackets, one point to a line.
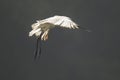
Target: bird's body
[43, 26]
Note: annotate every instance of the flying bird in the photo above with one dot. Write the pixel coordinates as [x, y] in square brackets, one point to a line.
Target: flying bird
[42, 27]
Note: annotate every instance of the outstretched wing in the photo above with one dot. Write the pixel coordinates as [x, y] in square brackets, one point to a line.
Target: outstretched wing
[65, 22]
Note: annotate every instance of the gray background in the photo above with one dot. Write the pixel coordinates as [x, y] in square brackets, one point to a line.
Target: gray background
[67, 54]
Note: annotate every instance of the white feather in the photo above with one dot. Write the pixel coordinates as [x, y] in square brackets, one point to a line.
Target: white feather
[43, 26]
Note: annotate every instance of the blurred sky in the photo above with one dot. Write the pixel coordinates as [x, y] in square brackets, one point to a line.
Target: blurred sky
[67, 54]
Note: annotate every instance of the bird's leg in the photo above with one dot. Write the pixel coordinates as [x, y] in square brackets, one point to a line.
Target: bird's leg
[38, 48]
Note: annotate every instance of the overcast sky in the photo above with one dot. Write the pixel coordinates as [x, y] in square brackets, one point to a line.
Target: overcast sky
[67, 54]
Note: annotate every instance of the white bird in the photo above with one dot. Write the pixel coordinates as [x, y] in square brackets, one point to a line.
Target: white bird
[42, 27]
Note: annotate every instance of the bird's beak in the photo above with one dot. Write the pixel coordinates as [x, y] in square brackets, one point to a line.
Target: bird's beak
[84, 28]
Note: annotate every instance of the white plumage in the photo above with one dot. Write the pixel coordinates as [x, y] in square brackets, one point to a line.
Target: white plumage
[43, 26]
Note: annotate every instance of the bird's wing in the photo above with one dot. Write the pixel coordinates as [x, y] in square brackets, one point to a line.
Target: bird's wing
[35, 25]
[42, 23]
[66, 23]
[61, 21]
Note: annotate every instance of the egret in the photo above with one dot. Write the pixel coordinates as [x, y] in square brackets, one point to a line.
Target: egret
[42, 27]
